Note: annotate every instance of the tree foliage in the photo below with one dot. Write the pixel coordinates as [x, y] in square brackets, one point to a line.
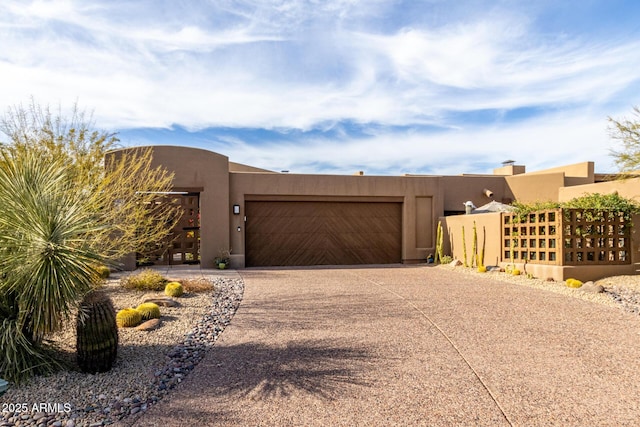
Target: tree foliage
[123, 191]
[600, 204]
[64, 209]
[627, 131]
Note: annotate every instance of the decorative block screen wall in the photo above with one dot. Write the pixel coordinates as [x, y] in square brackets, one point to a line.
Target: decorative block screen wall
[567, 237]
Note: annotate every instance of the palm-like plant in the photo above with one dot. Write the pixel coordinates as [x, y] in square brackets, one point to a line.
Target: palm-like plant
[63, 210]
[46, 264]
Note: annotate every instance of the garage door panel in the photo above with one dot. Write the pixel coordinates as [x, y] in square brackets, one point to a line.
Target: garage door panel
[322, 233]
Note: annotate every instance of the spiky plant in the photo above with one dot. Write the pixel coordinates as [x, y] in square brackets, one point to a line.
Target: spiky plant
[97, 333]
[464, 248]
[173, 289]
[438, 243]
[149, 310]
[45, 263]
[474, 247]
[64, 207]
[128, 318]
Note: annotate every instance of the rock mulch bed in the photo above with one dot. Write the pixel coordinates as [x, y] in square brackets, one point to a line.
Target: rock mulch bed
[149, 365]
[619, 291]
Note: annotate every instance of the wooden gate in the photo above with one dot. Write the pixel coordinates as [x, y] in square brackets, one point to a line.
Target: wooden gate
[182, 245]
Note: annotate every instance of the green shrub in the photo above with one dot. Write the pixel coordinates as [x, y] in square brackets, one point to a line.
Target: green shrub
[174, 289]
[446, 259]
[20, 358]
[103, 271]
[128, 317]
[149, 310]
[145, 280]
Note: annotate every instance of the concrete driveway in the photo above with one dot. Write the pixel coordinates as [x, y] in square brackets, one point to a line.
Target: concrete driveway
[405, 345]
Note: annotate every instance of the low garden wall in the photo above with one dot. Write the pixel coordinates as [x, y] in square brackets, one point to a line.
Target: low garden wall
[557, 245]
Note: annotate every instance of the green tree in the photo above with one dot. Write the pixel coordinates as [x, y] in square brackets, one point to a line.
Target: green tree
[627, 131]
[64, 209]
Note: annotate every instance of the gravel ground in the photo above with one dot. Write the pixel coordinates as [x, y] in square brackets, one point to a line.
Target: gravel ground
[619, 291]
[149, 363]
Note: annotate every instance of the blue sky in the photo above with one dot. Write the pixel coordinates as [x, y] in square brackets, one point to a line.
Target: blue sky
[337, 86]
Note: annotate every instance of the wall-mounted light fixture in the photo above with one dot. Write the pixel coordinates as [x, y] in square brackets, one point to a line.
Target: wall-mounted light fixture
[236, 209]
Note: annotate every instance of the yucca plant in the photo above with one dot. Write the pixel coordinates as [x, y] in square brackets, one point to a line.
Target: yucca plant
[45, 264]
[65, 207]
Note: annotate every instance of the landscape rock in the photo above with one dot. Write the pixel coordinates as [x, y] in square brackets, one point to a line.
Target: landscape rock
[455, 263]
[149, 325]
[162, 301]
[592, 288]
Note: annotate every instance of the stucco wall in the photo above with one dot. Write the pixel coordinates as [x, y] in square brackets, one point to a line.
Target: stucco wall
[488, 230]
[205, 172]
[418, 194]
[629, 188]
[531, 188]
[459, 189]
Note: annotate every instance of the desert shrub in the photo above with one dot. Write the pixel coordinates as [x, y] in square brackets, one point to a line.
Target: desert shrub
[482, 269]
[145, 280]
[19, 358]
[103, 271]
[197, 285]
[515, 272]
[446, 259]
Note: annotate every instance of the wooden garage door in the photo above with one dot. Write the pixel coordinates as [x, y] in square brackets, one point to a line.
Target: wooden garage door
[323, 233]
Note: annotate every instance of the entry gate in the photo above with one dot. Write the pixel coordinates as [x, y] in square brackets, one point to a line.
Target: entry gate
[182, 245]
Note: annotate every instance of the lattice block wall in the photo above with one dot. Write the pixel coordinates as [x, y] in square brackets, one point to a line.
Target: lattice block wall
[590, 237]
[567, 237]
[535, 240]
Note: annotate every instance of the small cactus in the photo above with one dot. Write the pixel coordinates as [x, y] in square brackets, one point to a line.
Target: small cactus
[149, 310]
[573, 283]
[128, 318]
[173, 289]
[103, 271]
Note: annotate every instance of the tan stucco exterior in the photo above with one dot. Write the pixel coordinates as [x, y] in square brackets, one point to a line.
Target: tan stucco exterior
[417, 195]
[425, 199]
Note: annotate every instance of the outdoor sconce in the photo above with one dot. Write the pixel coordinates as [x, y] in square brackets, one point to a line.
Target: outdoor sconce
[236, 209]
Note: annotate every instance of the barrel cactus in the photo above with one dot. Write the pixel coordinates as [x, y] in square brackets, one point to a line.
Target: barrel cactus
[128, 318]
[149, 310]
[97, 333]
[103, 271]
[573, 283]
[174, 289]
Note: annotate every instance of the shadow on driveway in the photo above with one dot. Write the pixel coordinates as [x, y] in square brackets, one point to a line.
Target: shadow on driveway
[258, 371]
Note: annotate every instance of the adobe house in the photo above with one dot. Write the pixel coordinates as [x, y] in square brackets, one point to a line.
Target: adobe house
[268, 218]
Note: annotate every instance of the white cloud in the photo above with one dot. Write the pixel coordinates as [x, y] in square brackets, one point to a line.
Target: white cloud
[309, 63]
[548, 142]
